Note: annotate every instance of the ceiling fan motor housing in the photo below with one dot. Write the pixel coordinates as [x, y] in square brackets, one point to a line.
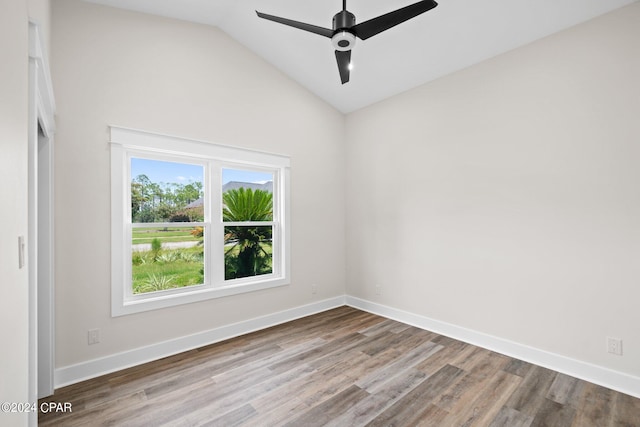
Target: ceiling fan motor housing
[343, 39]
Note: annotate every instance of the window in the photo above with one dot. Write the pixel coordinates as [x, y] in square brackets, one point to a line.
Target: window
[247, 214]
[193, 220]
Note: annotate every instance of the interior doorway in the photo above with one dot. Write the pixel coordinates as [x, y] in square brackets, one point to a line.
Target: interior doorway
[45, 258]
[40, 230]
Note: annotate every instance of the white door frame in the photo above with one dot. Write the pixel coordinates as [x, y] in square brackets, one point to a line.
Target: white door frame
[40, 240]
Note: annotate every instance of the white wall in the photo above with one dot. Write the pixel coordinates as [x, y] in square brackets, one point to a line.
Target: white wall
[13, 214]
[114, 67]
[14, 91]
[502, 198]
[505, 198]
[40, 12]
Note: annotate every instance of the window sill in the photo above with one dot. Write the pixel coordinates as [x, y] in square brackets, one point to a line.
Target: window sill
[157, 300]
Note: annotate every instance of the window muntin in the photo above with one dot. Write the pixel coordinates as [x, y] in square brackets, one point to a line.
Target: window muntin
[216, 239]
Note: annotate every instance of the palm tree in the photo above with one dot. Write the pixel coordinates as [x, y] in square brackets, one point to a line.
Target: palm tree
[241, 205]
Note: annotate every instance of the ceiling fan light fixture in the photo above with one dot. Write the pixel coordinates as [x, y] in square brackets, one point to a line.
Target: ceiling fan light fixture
[343, 40]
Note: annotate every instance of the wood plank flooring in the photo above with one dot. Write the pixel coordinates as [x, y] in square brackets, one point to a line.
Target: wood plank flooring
[343, 367]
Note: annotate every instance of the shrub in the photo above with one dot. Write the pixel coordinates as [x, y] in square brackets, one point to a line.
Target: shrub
[156, 247]
[198, 232]
[195, 214]
[167, 257]
[179, 217]
[138, 258]
[189, 256]
[156, 283]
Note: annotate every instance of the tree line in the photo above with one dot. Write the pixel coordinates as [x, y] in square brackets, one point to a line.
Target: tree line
[164, 202]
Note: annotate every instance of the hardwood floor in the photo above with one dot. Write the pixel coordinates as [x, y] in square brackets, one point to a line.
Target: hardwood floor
[343, 367]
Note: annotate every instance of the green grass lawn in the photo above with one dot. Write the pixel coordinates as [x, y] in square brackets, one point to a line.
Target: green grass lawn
[171, 234]
[170, 269]
[173, 268]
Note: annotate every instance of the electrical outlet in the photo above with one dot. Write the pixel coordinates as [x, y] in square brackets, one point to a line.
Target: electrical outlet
[614, 346]
[314, 289]
[93, 336]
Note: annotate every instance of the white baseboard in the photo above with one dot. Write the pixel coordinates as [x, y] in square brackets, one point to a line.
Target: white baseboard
[615, 380]
[94, 368]
[605, 377]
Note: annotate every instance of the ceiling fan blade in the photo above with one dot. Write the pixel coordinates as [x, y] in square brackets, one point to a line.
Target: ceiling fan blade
[374, 26]
[344, 59]
[301, 25]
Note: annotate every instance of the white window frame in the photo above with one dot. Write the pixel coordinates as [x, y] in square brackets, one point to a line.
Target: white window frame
[128, 143]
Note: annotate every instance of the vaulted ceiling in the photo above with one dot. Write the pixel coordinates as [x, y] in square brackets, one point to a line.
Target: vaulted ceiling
[454, 35]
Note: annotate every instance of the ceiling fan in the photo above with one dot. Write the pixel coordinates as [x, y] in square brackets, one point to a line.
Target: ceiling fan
[344, 32]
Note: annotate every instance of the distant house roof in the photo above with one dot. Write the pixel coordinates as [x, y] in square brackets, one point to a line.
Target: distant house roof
[195, 204]
[234, 185]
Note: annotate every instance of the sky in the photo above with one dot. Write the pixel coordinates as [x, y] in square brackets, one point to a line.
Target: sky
[182, 173]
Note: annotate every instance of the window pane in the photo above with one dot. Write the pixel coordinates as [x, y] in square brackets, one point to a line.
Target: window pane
[247, 251]
[247, 195]
[166, 258]
[166, 191]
